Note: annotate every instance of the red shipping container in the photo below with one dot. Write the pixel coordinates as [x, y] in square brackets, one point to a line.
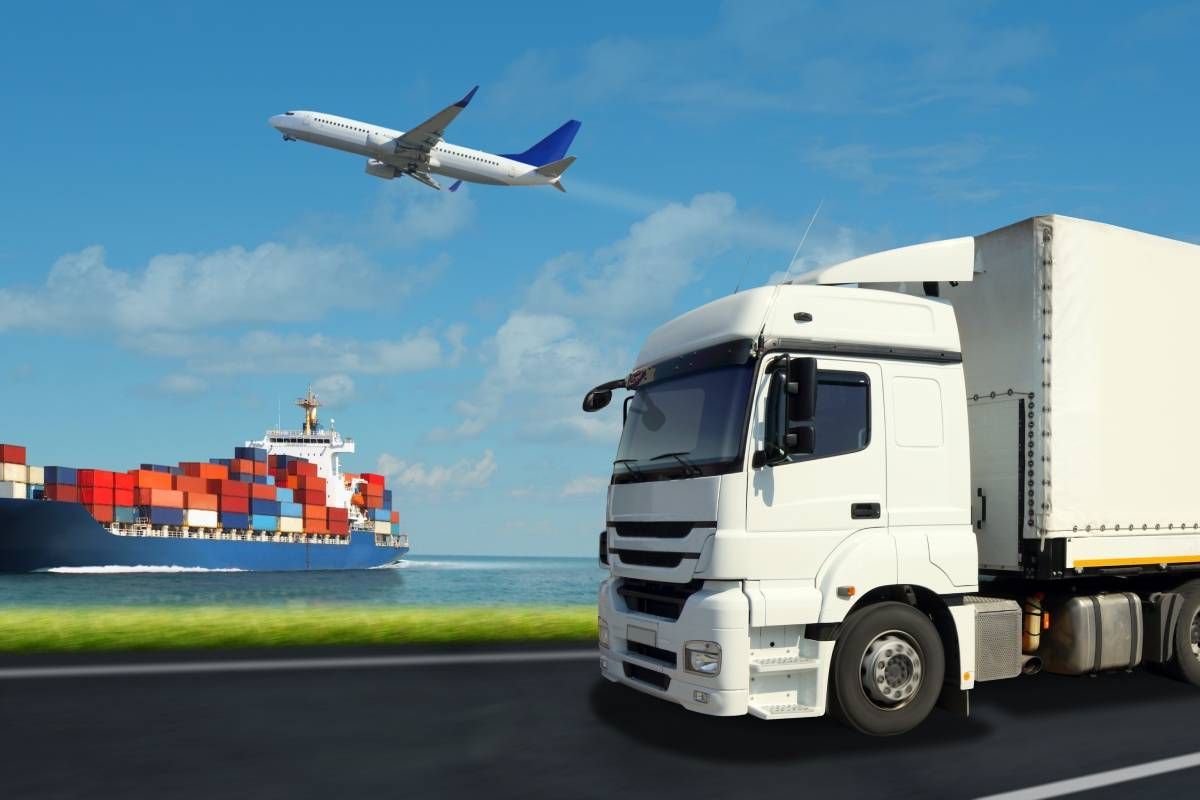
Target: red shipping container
[200, 501]
[224, 486]
[188, 483]
[242, 465]
[101, 513]
[308, 482]
[123, 497]
[12, 454]
[94, 477]
[163, 498]
[302, 468]
[309, 498]
[339, 527]
[337, 514]
[262, 491]
[190, 468]
[260, 468]
[122, 480]
[314, 525]
[62, 492]
[373, 479]
[95, 496]
[149, 479]
[233, 505]
[371, 490]
[395, 516]
[374, 501]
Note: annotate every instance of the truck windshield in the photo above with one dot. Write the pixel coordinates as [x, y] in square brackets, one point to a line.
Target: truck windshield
[691, 425]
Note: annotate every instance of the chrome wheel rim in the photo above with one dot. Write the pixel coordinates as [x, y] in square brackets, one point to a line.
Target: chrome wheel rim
[891, 670]
[1196, 635]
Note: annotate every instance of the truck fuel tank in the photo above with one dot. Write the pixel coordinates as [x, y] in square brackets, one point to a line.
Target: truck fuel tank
[1093, 633]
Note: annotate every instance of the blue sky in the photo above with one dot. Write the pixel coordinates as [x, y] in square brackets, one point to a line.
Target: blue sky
[171, 271]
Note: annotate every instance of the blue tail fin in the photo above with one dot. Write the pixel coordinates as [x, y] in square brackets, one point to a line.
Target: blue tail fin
[550, 149]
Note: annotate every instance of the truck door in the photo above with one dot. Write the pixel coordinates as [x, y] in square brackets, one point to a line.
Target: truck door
[820, 499]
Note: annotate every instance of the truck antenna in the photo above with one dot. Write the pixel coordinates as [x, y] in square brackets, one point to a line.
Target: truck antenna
[741, 275]
[804, 238]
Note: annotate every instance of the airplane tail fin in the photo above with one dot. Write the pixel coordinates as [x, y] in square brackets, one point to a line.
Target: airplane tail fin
[550, 149]
[554, 171]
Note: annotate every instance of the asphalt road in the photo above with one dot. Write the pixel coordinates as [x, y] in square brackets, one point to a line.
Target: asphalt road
[549, 729]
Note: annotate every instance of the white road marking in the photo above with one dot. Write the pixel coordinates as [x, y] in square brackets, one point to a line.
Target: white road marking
[1100, 779]
[279, 664]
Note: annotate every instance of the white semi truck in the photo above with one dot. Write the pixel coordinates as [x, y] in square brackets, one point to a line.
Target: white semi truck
[869, 489]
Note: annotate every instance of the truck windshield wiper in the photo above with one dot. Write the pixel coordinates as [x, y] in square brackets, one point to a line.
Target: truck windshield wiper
[627, 463]
[691, 468]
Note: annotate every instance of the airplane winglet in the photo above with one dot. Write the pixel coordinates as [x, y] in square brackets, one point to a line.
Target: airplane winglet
[463, 103]
[454, 186]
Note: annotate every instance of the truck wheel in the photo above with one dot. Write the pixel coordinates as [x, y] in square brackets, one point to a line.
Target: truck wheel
[1187, 637]
[887, 670]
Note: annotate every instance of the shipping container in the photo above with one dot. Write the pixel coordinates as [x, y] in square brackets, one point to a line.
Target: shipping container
[144, 479]
[311, 483]
[260, 492]
[160, 498]
[250, 454]
[200, 518]
[379, 515]
[373, 479]
[234, 520]
[64, 476]
[123, 497]
[96, 495]
[36, 492]
[374, 501]
[158, 515]
[200, 501]
[100, 478]
[102, 513]
[308, 498]
[235, 505]
[126, 514]
[339, 527]
[18, 473]
[62, 492]
[283, 494]
[314, 525]
[291, 525]
[383, 527]
[121, 480]
[229, 488]
[337, 513]
[289, 509]
[395, 516]
[264, 507]
[387, 499]
[264, 522]
[189, 483]
[14, 490]
[12, 453]
[37, 475]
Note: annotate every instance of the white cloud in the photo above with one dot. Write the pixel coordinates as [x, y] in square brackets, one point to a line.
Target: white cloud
[181, 384]
[469, 473]
[185, 291]
[585, 485]
[407, 215]
[334, 390]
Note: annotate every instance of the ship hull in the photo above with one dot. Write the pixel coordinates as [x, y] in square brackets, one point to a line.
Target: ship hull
[40, 535]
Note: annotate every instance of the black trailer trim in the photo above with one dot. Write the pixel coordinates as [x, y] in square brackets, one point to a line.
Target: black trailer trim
[866, 351]
[726, 354]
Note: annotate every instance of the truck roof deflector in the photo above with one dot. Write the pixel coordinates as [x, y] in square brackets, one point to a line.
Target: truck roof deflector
[945, 260]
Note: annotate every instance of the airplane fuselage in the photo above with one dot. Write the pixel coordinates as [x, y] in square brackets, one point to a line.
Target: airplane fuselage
[373, 142]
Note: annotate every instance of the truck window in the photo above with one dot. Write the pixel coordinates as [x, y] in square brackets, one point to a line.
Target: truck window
[843, 418]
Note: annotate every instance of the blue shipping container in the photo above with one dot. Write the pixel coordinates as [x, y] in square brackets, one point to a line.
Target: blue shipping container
[283, 495]
[124, 514]
[244, 477]
[290, 509]
[380, 515]
[270, 507]
[250, 453]
[263, 479]
[264, 522]
[162, 516]
[387, 498]
[63, 476]
[233, 520]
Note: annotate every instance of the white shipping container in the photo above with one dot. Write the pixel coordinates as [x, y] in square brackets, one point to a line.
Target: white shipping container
[291, 525]
[1079, 358]
[37, 475]
[383, 527]
[14, 490]
[14, 472]
[196, 518]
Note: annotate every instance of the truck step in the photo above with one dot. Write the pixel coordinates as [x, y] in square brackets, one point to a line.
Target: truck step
[792, 711]
[781, 663]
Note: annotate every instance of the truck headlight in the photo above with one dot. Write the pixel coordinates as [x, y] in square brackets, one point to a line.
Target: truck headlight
[603, 632]
[703, 658]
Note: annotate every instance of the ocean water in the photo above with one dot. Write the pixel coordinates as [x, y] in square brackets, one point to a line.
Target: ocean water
[418, 580]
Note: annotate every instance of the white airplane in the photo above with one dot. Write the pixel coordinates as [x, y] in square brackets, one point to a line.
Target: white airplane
[423, 150]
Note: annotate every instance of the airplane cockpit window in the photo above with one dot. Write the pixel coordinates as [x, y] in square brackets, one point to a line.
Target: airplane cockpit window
[288, 113]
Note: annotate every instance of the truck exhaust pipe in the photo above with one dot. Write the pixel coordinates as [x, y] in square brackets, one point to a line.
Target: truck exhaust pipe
[1031, 665]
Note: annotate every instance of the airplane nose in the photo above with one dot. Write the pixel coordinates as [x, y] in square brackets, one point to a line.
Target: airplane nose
[276, 121]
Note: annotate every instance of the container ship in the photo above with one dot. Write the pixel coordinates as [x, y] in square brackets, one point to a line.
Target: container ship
[280, 503]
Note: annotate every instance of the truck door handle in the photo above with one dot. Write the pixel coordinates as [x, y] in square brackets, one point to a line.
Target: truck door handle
[864, 511]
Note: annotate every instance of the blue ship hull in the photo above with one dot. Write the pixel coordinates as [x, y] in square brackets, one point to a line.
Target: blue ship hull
[40, 534]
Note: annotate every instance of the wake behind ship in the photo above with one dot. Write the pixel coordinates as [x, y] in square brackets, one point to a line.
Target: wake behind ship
[281, 503]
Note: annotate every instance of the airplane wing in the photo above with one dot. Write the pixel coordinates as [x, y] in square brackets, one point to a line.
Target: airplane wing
[430, 133]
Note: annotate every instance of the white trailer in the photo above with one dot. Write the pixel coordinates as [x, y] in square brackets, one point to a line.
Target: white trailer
[874, 487]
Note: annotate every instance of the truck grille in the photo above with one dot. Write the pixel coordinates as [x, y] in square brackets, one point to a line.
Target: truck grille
[658, 530]
[665, 657]
[649, 558]
[664, 600]
[655, 679]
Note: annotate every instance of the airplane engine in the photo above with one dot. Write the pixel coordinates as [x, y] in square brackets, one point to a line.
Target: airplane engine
[381, 143]
[381, 170]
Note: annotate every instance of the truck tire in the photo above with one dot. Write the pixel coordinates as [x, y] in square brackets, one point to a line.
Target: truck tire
[1186, 661]
[887, 670]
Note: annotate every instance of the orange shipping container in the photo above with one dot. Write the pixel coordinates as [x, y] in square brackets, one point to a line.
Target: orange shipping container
[262, 491]
[260, 468]
[395, 516]
[200, 501]
[163, 498]
[188, 483]
[101, 513]
[314, 525]
[147, 479]
[12, 453]
[374, 501]
[123, 497]
[308, 483]
[227, 487]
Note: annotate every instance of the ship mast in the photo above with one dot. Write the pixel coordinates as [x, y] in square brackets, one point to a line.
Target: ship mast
[310, 404]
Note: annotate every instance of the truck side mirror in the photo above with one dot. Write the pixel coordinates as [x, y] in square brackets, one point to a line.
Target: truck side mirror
[801, 440]
[596, 400]
[801, 390]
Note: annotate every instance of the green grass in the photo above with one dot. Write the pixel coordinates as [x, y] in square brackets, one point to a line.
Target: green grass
[74, 629]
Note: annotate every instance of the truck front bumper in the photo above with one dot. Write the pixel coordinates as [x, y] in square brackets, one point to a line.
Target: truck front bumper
[646, 652]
